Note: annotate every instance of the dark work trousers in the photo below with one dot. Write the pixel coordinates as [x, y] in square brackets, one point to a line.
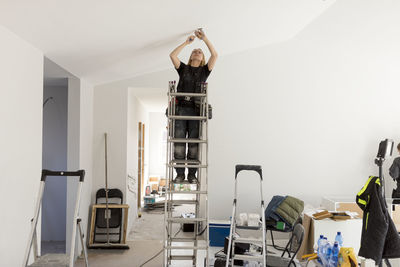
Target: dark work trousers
[186, 129]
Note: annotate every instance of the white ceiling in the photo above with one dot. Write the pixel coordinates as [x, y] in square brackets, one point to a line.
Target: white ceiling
[103, 40]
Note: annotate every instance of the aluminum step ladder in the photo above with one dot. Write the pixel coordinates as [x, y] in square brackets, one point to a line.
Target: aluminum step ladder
[59, 260]
[176, 248]
[234, 238]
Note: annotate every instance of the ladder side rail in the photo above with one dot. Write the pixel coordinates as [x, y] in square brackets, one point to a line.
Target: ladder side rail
[200, 171]
[231, 233]
[75, 223]
[34, 223]
[206, 197]
[233, 227]
[169, 108]
[168, 196]
[263, 223]
[170, 178]
[83, 243]
[35, 246]
[166, 178]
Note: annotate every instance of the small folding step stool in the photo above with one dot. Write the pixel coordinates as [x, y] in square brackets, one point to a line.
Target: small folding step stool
[58, 260]
[232, 235]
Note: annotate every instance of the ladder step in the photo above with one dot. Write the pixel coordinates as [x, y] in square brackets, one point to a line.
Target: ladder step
[191, 118]
[188, 94]
[186, 140]
[258, 258]
[183, 239]
[187, 192]
[186, 220]
[248, 240]
[249, 227]
[183, 161]
[183, 201]
[181, 258]
[187, 166]
[187, 247]
[183, 182]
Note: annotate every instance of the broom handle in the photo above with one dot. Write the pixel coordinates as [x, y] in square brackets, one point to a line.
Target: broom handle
[106, 182]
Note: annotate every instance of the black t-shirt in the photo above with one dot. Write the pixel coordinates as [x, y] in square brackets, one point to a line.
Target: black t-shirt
[190, 78]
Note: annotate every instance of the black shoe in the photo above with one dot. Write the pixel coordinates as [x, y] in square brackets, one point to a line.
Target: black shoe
[192, 178]
[179, 179]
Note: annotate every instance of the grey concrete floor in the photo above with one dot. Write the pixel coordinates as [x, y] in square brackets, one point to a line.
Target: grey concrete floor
[145, 242]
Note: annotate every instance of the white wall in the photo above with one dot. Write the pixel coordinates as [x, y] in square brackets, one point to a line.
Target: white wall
[86, 152]
[136, 113]
[157, 127]
[117, 111]
[110, 116]
[311, 111]
[21, 95]
[73, 152]
[55, 116]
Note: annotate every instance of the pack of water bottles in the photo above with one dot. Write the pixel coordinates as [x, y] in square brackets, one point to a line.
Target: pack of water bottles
[327, 252]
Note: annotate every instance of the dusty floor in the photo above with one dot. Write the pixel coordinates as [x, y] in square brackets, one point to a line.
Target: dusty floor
[145, 242]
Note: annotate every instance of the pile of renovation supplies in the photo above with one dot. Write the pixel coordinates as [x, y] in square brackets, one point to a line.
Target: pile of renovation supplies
[284, 212]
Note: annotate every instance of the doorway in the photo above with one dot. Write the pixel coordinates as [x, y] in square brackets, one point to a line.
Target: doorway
[54, 157]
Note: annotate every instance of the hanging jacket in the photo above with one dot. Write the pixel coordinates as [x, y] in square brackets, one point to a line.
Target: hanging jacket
[379, 237]
[394, 170]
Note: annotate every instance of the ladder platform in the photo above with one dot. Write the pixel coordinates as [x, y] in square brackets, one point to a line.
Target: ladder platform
[185, 220]
[189, 118]
[188, 94]
[187, 192]
[247, 240]
[187, 140]
[51, 260]
[248, 257]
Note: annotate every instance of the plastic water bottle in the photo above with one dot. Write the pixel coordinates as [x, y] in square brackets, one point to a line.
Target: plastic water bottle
[319, 247]
[333, 261]
[328, 253]
[339, 239]
[324, 248]
[319, 240]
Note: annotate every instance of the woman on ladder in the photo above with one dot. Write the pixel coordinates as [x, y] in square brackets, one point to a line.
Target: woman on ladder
[191, 76]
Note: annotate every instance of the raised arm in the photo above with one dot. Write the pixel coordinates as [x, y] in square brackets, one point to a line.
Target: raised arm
[214, 55]
[174, 54]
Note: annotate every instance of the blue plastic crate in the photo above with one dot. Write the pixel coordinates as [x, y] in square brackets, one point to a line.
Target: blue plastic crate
[218, 231]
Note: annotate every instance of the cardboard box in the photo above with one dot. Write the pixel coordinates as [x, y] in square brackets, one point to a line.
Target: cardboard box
[322, 215]
[163, 182]
[153, 179]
